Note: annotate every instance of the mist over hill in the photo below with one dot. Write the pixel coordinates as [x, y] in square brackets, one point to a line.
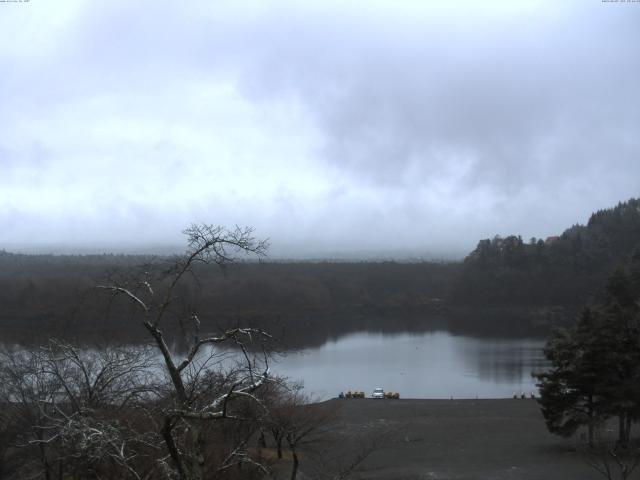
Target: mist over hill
[505, 284]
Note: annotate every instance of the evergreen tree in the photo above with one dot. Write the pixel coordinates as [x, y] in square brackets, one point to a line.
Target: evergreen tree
[595, 366]
[569, 395]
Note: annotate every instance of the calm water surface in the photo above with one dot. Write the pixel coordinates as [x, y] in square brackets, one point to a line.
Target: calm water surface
[424, 365]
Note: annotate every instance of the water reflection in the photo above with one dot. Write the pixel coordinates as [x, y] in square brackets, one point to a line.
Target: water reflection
[503, 362]
[418, 365]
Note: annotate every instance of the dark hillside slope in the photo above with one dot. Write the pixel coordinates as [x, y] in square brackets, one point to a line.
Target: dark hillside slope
[565, 270]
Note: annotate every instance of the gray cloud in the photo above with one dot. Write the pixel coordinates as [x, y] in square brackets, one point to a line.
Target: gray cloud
[506, 99]
[327, 126]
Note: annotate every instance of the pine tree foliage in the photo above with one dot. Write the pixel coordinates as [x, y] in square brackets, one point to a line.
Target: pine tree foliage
[595, 366]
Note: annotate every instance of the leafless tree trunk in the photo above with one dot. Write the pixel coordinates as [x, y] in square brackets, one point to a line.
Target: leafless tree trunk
[294, 418]
[193, 400]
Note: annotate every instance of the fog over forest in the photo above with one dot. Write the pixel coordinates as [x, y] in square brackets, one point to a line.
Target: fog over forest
[361, 129]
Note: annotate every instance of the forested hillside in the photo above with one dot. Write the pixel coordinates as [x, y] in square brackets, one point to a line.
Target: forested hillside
[504, 284]
[58, 291]
[564, 270]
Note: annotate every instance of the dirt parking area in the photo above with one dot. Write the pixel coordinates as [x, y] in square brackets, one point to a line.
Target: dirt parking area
[456, 439]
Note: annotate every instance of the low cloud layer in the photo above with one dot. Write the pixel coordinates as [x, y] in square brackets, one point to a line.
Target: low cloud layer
[331, 128]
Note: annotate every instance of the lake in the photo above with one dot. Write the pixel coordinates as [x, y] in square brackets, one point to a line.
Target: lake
[417, 365]
[423, 364]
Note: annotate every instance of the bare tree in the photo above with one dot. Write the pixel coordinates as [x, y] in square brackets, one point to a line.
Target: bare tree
[70, 405]
[9, 430]
[343, 463]
[25, 392]
[294, 418]
[201, 387]
[612, 461]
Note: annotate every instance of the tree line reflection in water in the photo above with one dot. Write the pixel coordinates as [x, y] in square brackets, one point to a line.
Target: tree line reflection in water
[433, 364]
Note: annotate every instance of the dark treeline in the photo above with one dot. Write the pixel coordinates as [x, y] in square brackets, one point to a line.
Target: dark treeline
[505, 284]
[39, 282]
[58, 291]
[569, 269]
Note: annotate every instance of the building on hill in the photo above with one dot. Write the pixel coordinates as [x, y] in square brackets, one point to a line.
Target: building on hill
[551, 239]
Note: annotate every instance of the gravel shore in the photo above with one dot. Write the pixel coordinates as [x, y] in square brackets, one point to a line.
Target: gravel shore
[459, 439]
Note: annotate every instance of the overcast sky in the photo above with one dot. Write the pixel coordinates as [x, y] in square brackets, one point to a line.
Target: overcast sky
[412, 128]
